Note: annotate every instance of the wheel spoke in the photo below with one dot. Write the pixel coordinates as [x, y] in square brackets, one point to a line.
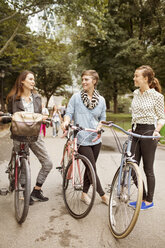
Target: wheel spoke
[73, 191]
[22, 191]
[123, 217]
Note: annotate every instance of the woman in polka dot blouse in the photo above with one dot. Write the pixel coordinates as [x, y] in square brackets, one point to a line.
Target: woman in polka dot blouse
[147, 119]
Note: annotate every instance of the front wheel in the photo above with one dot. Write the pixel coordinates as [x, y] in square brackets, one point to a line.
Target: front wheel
[73, 183]
[126, 187]
[66, 157]
[22, 190]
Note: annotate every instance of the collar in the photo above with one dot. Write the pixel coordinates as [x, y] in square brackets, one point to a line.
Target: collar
[149, 91]
[30, 97]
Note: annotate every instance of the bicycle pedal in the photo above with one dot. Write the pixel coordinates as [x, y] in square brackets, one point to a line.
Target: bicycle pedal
[4, 191]
[7, 171]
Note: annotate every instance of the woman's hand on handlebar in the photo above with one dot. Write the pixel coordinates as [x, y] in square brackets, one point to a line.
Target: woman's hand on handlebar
[65, 123]
[99, 132]
[156, 133]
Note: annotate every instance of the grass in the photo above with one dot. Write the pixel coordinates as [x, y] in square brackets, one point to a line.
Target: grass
[123, 120]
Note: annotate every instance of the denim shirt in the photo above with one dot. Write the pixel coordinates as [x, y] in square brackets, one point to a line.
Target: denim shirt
[87, 118]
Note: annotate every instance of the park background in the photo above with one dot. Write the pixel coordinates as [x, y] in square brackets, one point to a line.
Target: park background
[58, 39]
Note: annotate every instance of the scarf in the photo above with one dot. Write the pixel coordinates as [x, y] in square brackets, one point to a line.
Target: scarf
[90, 104]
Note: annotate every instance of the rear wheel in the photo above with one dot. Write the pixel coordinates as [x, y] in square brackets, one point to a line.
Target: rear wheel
[22, 190]
[73, 183]
[129, 188]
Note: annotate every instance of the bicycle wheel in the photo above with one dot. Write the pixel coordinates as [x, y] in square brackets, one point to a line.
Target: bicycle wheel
[73, 186]
[66, 158]
[11, 173]
[22, 190]
[122, 217]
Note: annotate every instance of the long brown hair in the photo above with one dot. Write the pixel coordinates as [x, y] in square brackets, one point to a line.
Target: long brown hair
[153, 82]
[17, 89]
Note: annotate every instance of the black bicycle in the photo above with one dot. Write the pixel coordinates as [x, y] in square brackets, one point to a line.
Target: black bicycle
[19, 177]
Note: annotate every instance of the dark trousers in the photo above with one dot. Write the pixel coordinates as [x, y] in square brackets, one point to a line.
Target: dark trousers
[91, 152]
[145, 149]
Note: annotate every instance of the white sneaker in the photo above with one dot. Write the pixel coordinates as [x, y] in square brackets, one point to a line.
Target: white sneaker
[85, 198]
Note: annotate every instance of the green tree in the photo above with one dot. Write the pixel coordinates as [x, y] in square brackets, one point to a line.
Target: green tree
[52, 67]
[132, 31]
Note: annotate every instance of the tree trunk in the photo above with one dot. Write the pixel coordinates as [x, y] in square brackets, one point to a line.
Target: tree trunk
[47, 101]
[107, 104]
[115, 103]
[115, 93]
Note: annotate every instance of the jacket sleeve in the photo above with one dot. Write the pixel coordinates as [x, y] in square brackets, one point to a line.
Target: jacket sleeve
[10, 106]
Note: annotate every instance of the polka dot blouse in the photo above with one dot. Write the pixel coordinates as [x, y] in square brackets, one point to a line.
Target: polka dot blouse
[147, 108]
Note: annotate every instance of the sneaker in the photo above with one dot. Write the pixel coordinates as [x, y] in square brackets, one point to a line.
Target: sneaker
[145, 207]
[85, 198]
[37, 195]
[31, 202]
[132, 204]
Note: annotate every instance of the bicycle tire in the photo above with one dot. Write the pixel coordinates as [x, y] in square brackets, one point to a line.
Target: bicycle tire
[72, 193]
[11, 173]
[66, 157]
[123, 217]
[22, 190]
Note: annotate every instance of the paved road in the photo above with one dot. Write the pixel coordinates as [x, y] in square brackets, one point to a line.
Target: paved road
[49, 225]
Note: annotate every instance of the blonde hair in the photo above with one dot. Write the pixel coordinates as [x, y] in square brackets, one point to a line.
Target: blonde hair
[153, 82]
[91, 73]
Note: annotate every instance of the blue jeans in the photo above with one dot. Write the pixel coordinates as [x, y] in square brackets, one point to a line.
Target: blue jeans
[55, 127]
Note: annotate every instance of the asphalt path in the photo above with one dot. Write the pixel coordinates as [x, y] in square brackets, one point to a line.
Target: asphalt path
[49, 225]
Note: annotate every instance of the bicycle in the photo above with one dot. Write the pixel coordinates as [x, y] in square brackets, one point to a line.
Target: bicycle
[73, 178]
[19, 178]
[66, 151]
[126, 187]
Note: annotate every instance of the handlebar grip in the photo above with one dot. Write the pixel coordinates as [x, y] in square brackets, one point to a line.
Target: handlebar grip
[5, 114]
[107, 122]
[101, 131]
[6, 119]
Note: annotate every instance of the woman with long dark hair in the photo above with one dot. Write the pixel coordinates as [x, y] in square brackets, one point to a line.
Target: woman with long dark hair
[23, 97]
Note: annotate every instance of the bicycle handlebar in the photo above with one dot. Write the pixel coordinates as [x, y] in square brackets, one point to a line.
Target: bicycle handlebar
[79, 128]
[111, 124]
[7, 117]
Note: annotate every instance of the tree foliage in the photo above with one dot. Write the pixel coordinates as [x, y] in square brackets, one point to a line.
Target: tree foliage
[118, 37]
[112, 36]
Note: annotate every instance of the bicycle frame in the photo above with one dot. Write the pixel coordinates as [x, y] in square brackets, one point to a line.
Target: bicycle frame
[18, 155]
[73, 154]
[126, 150]
[74, 150]
[68, 144]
